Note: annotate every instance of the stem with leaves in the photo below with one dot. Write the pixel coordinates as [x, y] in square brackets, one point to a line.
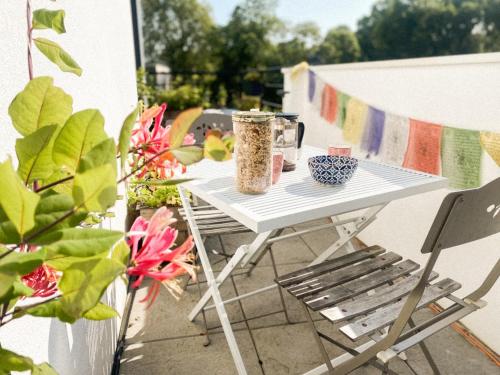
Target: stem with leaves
[30, 38]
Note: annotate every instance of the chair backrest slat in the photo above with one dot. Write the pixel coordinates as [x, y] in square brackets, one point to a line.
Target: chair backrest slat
[465, 216]
[210, 121]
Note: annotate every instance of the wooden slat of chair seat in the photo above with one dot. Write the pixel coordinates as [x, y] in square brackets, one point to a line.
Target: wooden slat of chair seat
[214, 232]
[381, 297]
[216, 225]
[388, 314]
[212, 214]
[225, 219]
[199, 208]
[328, 266]
[356, 287]
[343, 275]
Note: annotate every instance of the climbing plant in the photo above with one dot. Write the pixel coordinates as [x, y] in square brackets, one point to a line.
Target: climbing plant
[52, 262]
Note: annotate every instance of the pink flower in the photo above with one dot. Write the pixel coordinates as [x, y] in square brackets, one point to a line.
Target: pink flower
[149, 139]
[151, 254]
[43, 280]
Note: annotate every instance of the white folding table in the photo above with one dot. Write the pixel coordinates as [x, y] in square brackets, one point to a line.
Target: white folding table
[296, 199]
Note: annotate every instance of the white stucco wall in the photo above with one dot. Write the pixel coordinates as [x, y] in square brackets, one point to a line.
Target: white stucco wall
[460, 91]
[99, 37]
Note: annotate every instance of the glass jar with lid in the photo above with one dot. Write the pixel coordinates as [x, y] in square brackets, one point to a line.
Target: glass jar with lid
[286, 138]
[253, 150]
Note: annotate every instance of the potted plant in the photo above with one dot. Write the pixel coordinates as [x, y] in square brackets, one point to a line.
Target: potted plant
[145, 197]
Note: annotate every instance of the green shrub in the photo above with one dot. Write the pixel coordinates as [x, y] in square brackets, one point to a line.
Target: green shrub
[183, 97]
[140, 195]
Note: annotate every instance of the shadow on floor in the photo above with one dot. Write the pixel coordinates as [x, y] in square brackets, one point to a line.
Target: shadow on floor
[161, 340]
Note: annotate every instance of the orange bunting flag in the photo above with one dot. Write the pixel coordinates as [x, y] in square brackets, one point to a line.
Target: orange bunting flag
[329, 104]
[355, 120]
[491, 144]
[424, 142]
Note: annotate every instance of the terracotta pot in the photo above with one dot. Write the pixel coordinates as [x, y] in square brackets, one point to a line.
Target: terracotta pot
[181, 225]
[132, 214]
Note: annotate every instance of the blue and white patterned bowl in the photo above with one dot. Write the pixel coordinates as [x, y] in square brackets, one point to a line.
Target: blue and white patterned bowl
[332, 170]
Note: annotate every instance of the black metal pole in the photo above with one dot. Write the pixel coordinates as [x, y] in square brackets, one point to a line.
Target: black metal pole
[135, 7]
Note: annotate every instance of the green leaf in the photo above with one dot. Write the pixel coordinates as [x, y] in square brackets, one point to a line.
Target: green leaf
[50, 208]
[17, 201]
[7, 280]
[215, 149]
[229, 142]
[58, 56]
[95, 189]
[125, 134]
[121, 252]
[52, 309]
[188, 155]
[21, 263]
[49, 19]
[10, 361]
[83, 284]
[181, 125]
[40, 104]
[79, 242]
[34, 152]
[100, 312]
[82, 132]
[101, 154]
[65, 187]
[43, 369]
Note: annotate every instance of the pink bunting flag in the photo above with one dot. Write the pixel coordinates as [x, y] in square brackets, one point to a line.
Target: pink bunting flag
[423, 152]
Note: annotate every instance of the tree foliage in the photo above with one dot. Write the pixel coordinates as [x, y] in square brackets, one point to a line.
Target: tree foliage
[178, 33]
[183, 35]
[416, 28]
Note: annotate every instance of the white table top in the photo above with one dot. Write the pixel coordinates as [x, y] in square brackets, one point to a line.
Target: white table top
[297, 198]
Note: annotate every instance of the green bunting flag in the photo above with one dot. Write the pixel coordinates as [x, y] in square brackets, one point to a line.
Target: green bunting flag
[461, 157]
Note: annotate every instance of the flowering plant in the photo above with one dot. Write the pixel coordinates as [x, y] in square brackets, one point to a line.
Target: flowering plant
[67, 173]
[150, 138]
[152, 257]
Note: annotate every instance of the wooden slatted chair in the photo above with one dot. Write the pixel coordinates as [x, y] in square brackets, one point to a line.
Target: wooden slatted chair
[211, 221]
[371, 290]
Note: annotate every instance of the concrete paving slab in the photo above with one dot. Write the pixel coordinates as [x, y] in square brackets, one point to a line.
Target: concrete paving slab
[167, 317]
[173, 345]
[188, 356]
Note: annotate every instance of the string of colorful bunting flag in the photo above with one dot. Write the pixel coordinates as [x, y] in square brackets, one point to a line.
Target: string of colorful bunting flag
[432, 148]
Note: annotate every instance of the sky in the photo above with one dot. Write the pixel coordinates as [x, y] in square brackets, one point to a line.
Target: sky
[326, 13]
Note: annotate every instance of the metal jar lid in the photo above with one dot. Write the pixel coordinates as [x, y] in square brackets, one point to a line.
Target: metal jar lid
[253, 116]
[291, 116]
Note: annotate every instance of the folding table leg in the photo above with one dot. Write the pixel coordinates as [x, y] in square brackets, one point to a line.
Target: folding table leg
[213, 290]
[360, 223]
[223, 275]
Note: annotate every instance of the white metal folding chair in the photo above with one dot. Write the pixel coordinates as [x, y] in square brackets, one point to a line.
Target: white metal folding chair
[372, 289]
[210, 221]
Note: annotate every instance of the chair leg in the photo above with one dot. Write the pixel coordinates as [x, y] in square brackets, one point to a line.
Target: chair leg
[282, 298]
[385, 370]
[426, 351]
[254, 263]
[207, 337]
[317, 337]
